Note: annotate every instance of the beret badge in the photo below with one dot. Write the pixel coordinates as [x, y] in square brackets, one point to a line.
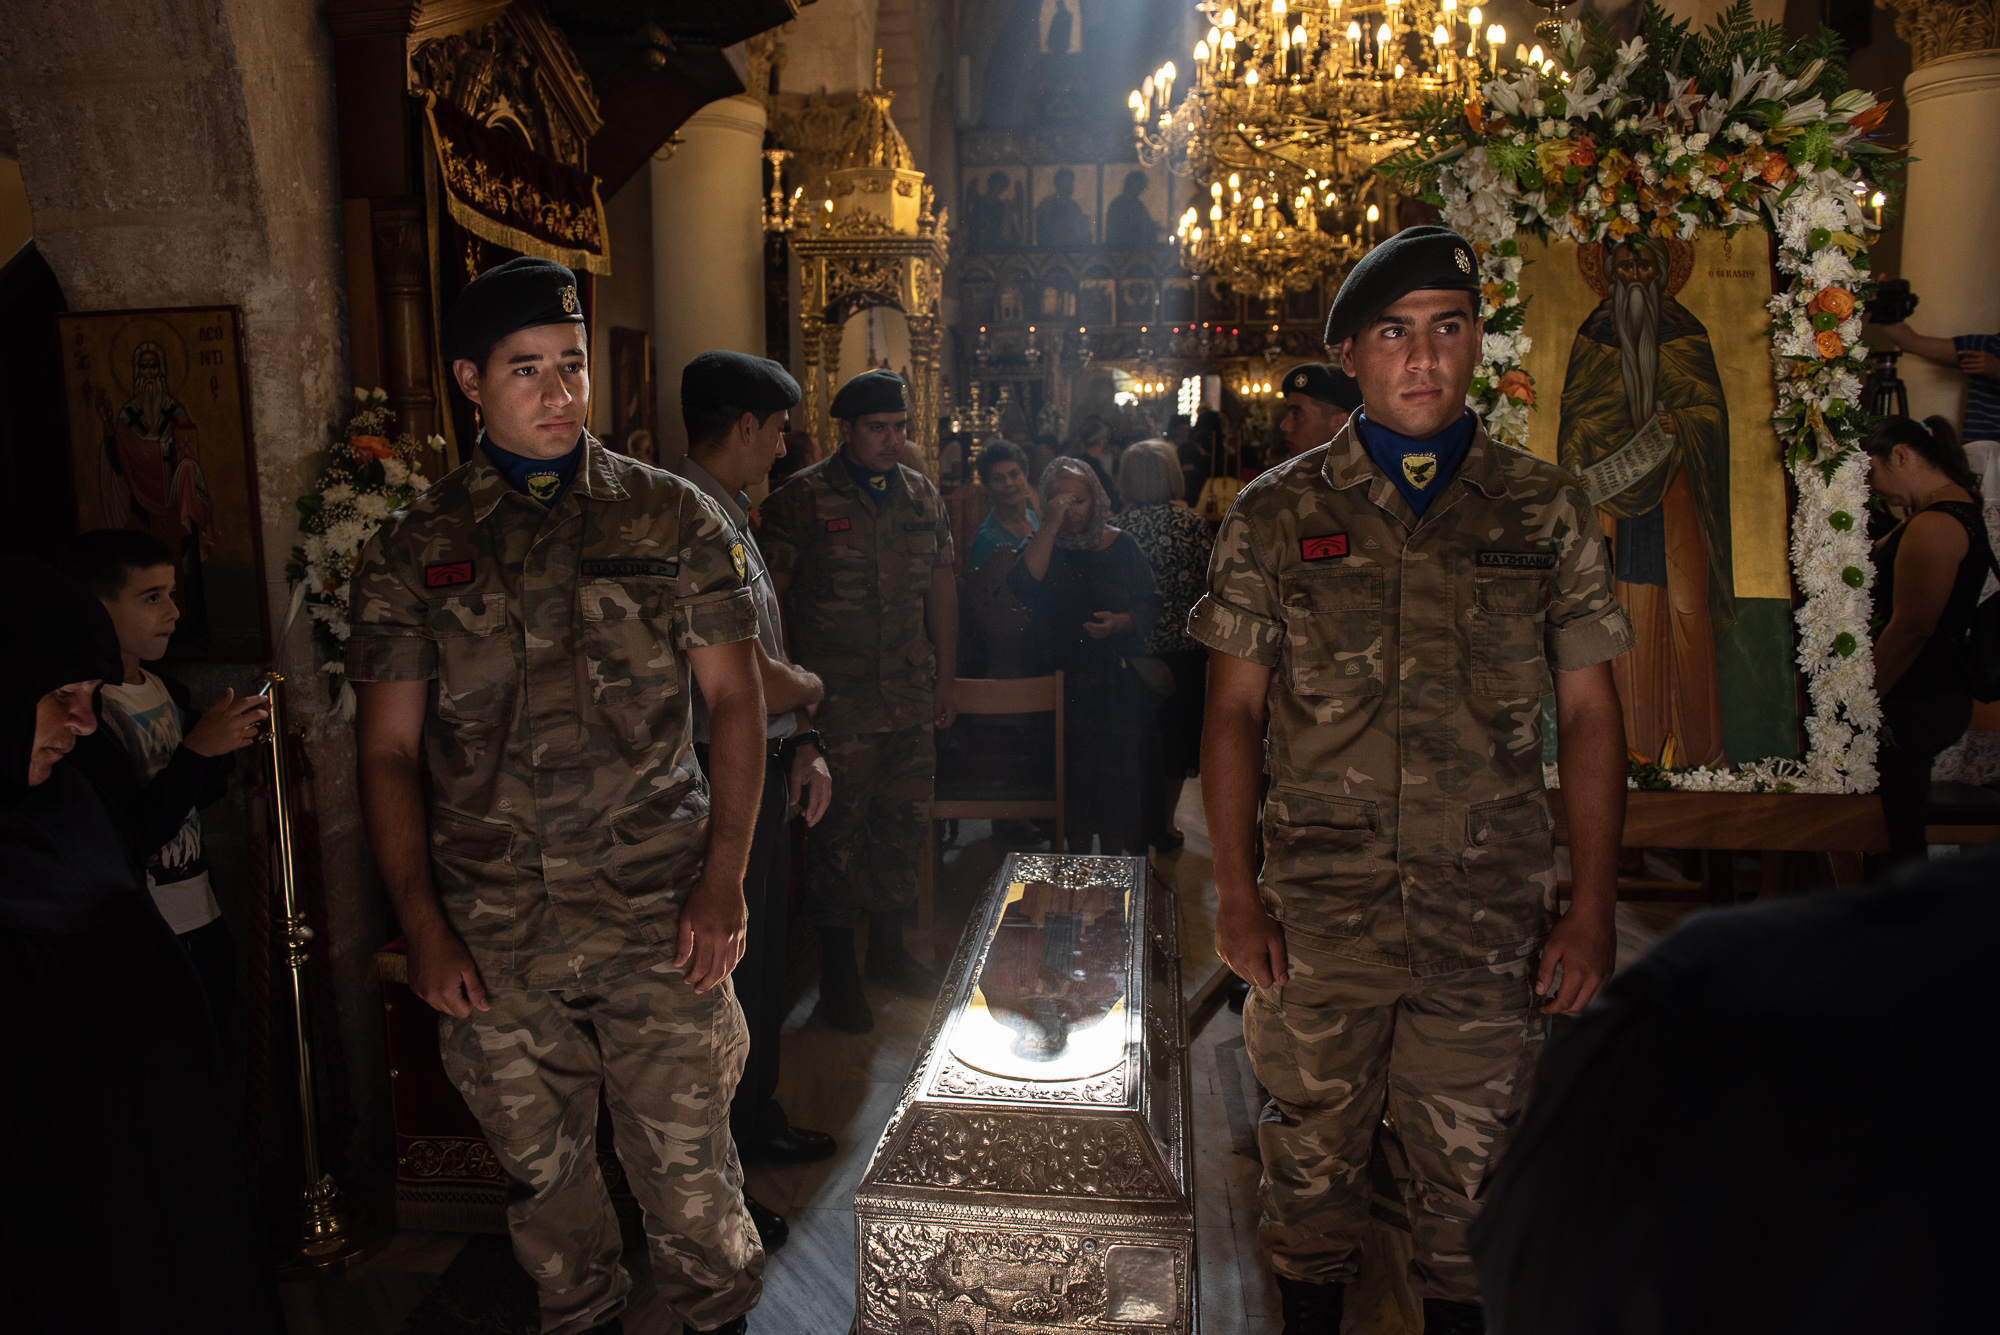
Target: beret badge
[1464, 261]
[569, 302]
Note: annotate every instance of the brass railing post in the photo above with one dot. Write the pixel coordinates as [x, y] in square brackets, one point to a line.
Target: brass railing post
[329, 1229]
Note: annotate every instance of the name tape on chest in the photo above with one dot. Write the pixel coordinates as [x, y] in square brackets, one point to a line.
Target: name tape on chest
[447, 574]
[919, 528]
[1517, 560]
[631, 567]
[839, 525]
[1324, 548]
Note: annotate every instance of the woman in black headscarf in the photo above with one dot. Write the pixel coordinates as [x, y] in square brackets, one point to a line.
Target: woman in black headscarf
[128, 1203]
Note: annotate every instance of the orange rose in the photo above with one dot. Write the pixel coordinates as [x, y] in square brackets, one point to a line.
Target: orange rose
[1835, 301]
[372, 447]
[1516, 386]
[1775, 169]
[1829, 344]
[1584, 154]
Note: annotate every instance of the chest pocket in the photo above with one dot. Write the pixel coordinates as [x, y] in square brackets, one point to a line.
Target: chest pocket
[477, 671]
[1508, 620]
[626, 635]
[1333, 631]
[920, 544]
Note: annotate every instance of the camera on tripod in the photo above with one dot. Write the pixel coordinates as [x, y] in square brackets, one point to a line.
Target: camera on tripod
[1884, 394]
[1892, 303]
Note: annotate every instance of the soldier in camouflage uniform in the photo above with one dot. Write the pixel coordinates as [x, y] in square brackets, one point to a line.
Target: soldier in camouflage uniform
[859, 547]
[1386, 614]
[531, 626]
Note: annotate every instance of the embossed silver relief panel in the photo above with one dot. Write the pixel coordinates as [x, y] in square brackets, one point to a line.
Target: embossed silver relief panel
[1036, 1176]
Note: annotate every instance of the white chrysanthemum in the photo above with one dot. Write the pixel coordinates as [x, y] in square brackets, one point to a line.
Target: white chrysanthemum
[337, 494]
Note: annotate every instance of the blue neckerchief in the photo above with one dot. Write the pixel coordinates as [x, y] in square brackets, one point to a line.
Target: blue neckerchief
[542, 480]
[874, 485]
[1407, 462]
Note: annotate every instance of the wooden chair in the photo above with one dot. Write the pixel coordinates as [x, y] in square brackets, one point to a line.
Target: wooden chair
[1005, 799]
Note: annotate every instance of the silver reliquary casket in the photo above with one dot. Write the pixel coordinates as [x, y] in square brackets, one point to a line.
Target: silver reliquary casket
[1037, 1176]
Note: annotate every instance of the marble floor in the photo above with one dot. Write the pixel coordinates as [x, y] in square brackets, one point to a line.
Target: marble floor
[847, 1085]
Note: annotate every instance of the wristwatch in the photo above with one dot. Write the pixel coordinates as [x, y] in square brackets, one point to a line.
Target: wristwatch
[790, 746]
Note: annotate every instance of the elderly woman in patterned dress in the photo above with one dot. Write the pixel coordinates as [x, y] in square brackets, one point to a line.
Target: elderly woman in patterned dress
[1176, 542]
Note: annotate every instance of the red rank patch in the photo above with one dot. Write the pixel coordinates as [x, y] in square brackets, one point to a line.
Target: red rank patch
[1323, 549]
[839, 525]
[447, 574]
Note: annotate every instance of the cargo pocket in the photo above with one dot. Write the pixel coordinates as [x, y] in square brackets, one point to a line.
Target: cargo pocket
[921, 547]
[1333, 632]
[1509, 609]
[656, 857]
[1509, 866]
[474, 877]
[1319, 853]
[476, 667]
[627, 642]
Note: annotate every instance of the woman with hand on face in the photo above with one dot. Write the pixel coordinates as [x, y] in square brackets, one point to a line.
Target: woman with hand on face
[1929, 571]
[1092, 599]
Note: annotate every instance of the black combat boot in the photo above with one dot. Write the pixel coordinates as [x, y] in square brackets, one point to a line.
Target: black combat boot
[772, 1230]
[1444, 1317]
[1311, 1309]
[737, 1327]
[891, 964]
[841, 1003]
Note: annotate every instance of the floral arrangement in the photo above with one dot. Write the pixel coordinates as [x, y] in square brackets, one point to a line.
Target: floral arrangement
[1665, 135]
[366, 478]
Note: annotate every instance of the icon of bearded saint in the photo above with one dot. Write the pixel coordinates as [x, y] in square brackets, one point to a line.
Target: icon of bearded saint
[153, 479]
[1645, 427]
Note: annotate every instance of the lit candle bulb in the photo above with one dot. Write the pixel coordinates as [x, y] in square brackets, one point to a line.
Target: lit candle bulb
[1235, 181]
[1278, 8]
[1439, 37]
[1216, 190]
[1138, 105]
[1354, 41]
[1472, 17]
[1200, 52]
[1215, 213]
[1214, 39]
[1250, 77]
[1228, 19]
[1521, 51]
[1496, 37]
[1381, 45]
[1535, 56]
[1146, 90]
[1374, 214]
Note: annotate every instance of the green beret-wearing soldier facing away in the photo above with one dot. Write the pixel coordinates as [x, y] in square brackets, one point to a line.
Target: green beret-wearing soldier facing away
[860, 549]
[1386, 613]
[570, 886]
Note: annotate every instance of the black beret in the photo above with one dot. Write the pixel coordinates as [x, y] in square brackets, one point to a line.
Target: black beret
[520, 294]
[1415, 259]
[870, 392]
[739, 380]
[1325, 382]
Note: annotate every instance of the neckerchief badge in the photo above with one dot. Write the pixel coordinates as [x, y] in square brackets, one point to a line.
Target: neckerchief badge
[544, 486]
[879, 483]
[1420, 469]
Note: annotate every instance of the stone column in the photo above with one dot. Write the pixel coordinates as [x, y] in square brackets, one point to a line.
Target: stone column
[1954, 186]
[708, 249]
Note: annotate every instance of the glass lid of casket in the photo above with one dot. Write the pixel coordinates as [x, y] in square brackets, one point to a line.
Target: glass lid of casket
[1049, 1003]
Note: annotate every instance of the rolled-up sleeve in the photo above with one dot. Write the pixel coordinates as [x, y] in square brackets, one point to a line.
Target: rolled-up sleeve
[1240, 614]
[1585, 625]
[389, 636]
[712, 602]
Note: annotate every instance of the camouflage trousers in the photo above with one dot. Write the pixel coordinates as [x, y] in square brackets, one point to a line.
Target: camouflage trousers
[866, 851]
[668, 1061]
[1447, 1057]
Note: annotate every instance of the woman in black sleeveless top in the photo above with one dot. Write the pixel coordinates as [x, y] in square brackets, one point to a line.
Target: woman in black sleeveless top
[1928, 574]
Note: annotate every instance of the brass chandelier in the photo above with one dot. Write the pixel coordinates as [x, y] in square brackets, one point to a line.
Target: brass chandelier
[1290, 106]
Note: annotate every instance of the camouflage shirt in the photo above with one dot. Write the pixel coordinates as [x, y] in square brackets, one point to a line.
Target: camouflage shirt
[568, 819]
[1406, 823]
[860, 571]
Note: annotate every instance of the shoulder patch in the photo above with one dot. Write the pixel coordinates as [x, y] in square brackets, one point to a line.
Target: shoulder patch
[839, 525]
[1324, 548]
[627, 567]
[447, 574]
[1517, 560]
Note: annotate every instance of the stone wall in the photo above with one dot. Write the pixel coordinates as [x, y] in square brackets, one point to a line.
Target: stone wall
[181, 153]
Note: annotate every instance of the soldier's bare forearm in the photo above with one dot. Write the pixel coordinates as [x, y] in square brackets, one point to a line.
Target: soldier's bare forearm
[728, 679]
[1590, 759]
[941, 616]
[1232, 770]
[786, 687]
[388, 728]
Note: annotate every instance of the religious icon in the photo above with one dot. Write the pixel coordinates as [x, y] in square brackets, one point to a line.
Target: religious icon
[1645, 428]
[1062, 34]
[993, 216]
[633, 429]
[1128, 221]
[1055, 968]
[159, 442]
[1060, 221]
